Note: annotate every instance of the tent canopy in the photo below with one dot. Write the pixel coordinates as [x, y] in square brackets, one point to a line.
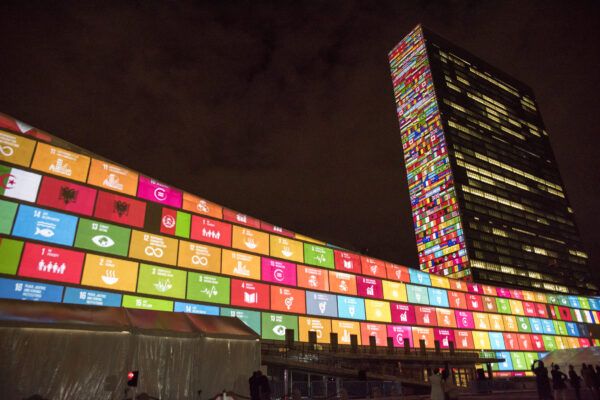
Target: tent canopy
[575, 357]
[15, 313]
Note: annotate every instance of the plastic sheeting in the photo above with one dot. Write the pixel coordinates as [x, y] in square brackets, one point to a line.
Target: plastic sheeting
[66, 363]
[575, 357]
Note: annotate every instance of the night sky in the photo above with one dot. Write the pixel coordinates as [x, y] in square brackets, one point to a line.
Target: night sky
[286, 112]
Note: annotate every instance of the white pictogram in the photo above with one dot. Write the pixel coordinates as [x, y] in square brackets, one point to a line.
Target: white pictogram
[61, 168]
[345, 336]
[103, 241]
[203, 206]
[320, 259]
[7, 151]
[279, 330]
[51, 267]
[348, 264]
[399, 338]
[163, 286]
[343, 286]
[209, 233]
[210, 292]
[168, 221]
[160, 194]
[322, 307]
[109, 277]
[250, 298]
[154, 251]
[112, 181]
[199, 260]
[287, 252]
[279, 275]
[250, 243]
[289, 301]
[45, 232]
[241, 269]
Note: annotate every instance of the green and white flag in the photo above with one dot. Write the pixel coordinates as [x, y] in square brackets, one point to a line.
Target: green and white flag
[18, 184]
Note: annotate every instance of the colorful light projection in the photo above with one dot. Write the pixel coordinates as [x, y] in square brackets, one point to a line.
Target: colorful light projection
[438, 229]
[58, 243]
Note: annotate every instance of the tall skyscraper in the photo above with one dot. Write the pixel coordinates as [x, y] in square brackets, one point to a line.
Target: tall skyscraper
[487, 199]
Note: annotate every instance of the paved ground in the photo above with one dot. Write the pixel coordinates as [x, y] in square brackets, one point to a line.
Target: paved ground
[524, 394]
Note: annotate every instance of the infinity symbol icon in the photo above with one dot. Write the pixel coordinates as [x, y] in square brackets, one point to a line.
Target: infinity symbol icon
[7, 151]
[153, 251]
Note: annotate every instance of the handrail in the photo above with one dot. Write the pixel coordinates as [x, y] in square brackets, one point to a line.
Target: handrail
[362, 351]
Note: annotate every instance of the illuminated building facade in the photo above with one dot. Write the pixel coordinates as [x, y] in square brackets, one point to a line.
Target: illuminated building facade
[487, 199]
[77, 228]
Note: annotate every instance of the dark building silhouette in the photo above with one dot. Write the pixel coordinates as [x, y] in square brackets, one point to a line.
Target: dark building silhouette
[487, 198]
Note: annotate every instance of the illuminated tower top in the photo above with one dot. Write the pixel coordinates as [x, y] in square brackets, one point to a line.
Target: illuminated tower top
[487, 199]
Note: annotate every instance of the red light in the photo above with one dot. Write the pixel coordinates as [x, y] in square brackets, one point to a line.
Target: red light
[132, 378]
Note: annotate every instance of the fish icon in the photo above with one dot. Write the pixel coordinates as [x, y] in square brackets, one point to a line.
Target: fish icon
[45, 232]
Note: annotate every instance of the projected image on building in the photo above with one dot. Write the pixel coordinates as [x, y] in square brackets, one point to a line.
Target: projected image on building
[76, 228]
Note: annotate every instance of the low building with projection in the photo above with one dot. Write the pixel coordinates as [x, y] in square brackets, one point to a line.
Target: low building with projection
[77, 228]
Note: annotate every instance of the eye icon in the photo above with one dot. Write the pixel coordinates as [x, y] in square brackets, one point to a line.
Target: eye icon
[103, 241]
[279, 330]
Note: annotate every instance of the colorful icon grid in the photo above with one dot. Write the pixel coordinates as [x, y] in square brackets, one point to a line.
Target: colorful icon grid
[78, 229]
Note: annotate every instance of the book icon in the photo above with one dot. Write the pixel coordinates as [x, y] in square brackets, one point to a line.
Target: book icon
[250, 298]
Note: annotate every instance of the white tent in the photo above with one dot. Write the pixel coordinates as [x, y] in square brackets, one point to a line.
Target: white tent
[575, 357]
[62, 351]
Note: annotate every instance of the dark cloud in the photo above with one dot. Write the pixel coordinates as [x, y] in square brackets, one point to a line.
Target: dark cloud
[285, 110]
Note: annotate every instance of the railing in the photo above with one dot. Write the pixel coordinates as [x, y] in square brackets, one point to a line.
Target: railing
[346, 351]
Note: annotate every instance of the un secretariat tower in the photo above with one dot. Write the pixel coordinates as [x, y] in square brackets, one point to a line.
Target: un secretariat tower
[487, 199]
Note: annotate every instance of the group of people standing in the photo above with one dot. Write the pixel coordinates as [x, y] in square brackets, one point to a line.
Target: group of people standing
[557, 383]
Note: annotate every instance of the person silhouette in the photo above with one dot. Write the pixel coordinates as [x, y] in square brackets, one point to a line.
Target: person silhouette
[542, 381]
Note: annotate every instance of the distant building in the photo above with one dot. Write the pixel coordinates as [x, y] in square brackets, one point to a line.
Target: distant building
[487, 198]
